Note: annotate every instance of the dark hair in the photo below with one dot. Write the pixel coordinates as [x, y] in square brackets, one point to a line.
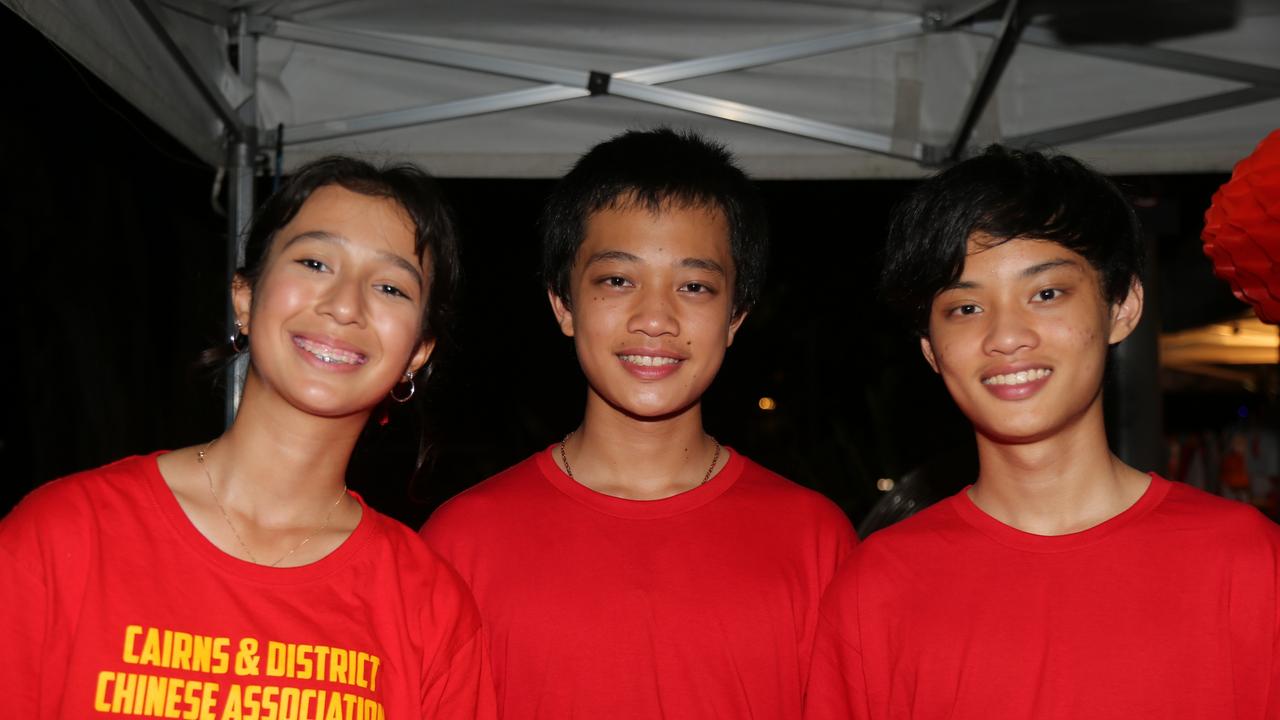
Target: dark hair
[411, 188]
[652, 169]
[1007, 194]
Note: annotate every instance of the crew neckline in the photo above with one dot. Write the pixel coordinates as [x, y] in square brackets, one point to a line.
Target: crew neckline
[1008, 535]
[641, 509]
[177, 518]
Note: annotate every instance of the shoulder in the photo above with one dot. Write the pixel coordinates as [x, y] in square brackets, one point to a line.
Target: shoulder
[66, 499]
[57, 523]
[480, 502]
[1186, 508]
[416, 567]
[426, 587]
[936, 529]
[788, 499]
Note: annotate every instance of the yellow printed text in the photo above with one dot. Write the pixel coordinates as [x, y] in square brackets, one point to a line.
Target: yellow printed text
[174, 649]
[155, 696]
[321, 662]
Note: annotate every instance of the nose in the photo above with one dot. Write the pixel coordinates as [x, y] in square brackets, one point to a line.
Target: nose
[343, 301]
[653, 313]
[1009, 330]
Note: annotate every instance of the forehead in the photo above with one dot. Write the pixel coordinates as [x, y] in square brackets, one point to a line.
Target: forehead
[377, 223]
[675, 230]
[1015, 258]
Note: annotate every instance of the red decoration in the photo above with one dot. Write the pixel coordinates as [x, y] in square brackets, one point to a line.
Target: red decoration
[1242, 230]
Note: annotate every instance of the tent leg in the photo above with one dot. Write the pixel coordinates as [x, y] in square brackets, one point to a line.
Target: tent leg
[241, 158]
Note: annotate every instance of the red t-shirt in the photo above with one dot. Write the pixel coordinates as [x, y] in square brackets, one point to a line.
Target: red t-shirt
[114, 605]
[1168, 610]
[701, 605]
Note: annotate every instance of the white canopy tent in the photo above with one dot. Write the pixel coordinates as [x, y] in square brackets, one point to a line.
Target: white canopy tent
[798, 89]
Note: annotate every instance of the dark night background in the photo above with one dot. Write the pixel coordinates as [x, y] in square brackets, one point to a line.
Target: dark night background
[114, 252]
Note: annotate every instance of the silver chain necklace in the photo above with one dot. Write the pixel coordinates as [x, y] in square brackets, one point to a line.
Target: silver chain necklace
[715, 458]
[200, 458]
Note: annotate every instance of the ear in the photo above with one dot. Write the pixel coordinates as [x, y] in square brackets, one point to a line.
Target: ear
[1126, 313]
[242, 300]
[422, 354]
[926, 347]
[564, 316]
[734, 324]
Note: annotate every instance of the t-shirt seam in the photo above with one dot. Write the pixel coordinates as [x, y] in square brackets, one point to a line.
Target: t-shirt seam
[448, 668]
[955, 500]
[647, 518]
[835, 628]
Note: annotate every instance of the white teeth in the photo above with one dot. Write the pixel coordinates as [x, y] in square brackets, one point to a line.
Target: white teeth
[1021, 377]
[330, 355]
[649, 360]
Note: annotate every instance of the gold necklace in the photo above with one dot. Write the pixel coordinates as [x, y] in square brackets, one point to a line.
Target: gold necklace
[200, 457]
[714, 459]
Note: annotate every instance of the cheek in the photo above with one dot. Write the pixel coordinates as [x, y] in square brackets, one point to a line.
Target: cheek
[399, 328]
[277, 297]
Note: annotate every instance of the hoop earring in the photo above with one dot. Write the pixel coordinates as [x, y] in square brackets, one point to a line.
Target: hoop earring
[408, 378]
[239, 341]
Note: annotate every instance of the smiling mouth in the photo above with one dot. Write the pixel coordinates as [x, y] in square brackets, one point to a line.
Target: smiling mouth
[649, 360]
[330, 355]
[1022, 377]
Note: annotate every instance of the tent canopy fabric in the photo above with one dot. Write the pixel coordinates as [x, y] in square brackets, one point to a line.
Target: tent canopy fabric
[797, 89]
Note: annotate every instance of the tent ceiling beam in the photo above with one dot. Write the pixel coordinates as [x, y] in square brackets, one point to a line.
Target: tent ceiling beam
[1142, 118]
[385, 46]
[207, 89]
[201, 10]
[514, 100]
[998, 56]
[1151, 56]
[760, 117]
[783, 52]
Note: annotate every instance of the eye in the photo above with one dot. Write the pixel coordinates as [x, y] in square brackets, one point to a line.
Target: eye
[697, 288]
[313, 264]
[391, 290]
[1048, 294]
[614, 281]
[967, 309]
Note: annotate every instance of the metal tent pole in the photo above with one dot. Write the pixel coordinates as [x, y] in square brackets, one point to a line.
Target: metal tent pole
[241, 157]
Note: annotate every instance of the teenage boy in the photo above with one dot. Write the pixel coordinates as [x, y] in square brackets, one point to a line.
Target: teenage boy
[1062, 583]
[638, 568]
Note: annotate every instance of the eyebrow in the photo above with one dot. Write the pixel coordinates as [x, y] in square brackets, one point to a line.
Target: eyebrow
[611, 255]
[705, 264]
[383, 255]
[1027, 273]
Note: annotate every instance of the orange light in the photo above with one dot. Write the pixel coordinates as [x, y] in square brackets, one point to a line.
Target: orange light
[767, 404]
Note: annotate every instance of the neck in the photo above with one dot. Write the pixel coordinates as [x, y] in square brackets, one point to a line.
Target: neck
[640, 458]
[276, 462]
[1056, 485]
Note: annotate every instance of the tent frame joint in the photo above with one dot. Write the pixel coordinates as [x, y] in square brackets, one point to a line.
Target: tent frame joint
[598, 82]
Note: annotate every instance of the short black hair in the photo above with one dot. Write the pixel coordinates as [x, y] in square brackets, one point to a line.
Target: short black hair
[1007, 194]
[653, 169]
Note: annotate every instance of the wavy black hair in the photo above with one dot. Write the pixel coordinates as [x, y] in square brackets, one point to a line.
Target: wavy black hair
[1007, 194]
[653, 169]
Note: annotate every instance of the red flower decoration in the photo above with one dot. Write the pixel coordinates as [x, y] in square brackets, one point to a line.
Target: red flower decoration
[1242, 230]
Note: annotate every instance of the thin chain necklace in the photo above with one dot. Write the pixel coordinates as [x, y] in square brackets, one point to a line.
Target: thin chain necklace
[200, 458]
[714, 459]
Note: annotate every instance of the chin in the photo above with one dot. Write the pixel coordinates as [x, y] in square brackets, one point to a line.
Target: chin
[648, 409]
